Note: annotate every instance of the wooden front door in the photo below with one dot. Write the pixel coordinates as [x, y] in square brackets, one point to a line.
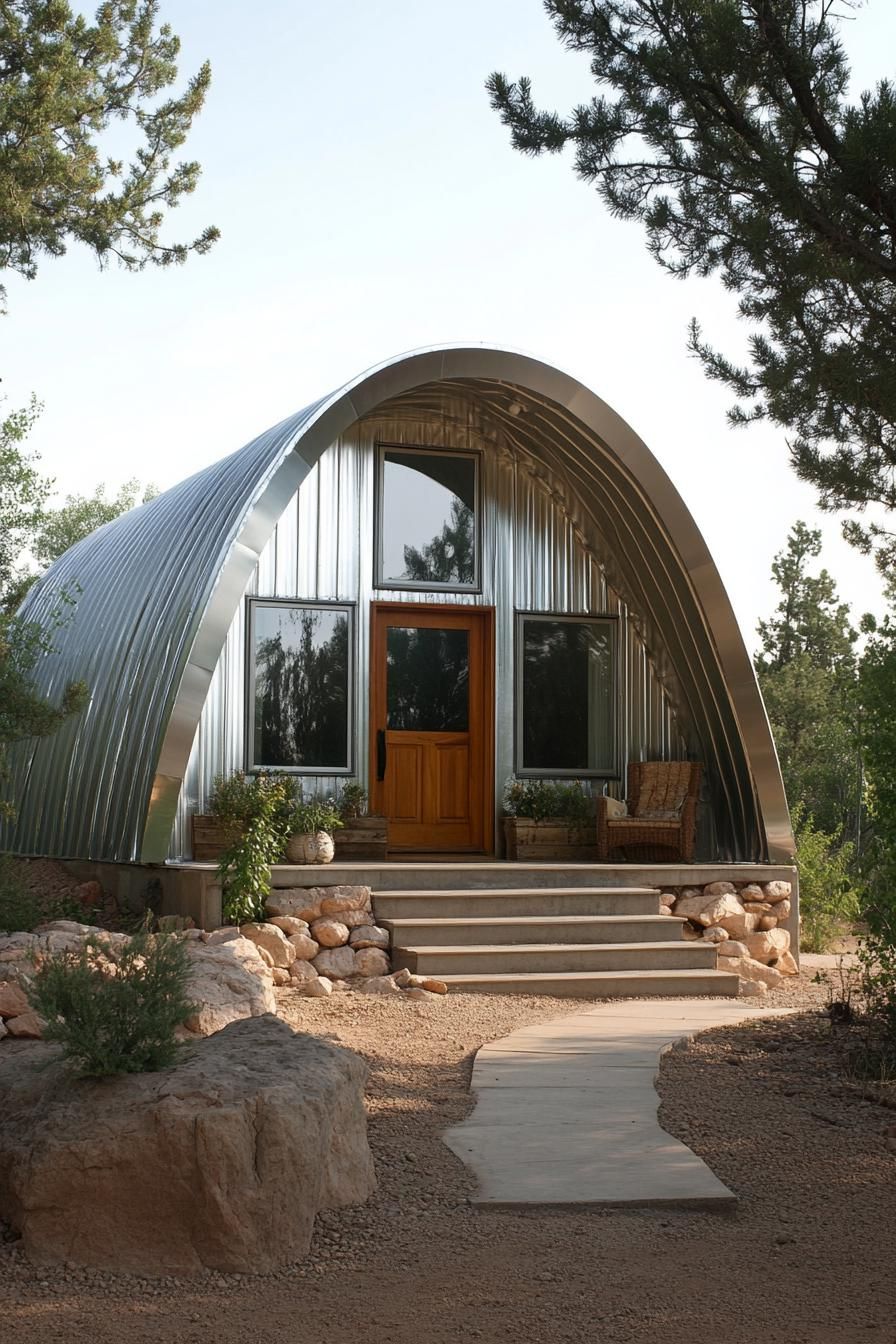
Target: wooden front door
[431, 718]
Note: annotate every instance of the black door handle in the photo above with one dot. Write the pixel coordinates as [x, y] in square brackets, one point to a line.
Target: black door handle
[381, 754]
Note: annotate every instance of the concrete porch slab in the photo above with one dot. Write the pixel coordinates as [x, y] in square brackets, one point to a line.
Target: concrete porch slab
[566, 1112]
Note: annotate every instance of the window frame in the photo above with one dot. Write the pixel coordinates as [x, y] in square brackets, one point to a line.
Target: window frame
[611, 620]
[318, 771]
[408, 586]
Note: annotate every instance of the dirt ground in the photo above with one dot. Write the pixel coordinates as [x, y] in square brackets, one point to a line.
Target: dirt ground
[807, 1259]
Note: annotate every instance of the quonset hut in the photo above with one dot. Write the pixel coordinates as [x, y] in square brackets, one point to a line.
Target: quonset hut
[460, 566]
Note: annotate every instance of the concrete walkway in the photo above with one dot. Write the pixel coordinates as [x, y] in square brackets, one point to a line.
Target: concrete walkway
[566, 1111]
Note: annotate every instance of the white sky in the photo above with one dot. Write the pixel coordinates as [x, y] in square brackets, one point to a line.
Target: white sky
[370, 203]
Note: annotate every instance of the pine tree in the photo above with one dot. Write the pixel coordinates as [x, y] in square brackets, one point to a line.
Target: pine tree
[723, 126]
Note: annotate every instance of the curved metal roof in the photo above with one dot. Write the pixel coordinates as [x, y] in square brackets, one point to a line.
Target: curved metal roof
[157, 590]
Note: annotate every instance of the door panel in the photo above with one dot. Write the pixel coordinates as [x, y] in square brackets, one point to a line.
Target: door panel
[432, 693]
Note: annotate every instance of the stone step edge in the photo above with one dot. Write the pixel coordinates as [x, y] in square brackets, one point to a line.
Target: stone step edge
[526, 949]
[616, 977]
[486, 893]
[526, 921]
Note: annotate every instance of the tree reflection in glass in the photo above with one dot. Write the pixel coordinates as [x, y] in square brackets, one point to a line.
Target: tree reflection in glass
[568, 697]
[427, 680]
[301, 687]
[428, 533]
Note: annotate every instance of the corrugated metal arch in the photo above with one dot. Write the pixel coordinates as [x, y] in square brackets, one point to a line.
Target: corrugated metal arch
[158, 587]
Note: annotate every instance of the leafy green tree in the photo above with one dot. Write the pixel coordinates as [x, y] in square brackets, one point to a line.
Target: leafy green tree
[807, 672]
[877, 679]
[23, 496]
[58, 529]
[64, 81]
[724, 128]
[450, 557]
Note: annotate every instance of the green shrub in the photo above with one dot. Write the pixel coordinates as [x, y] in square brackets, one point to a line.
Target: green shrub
[543, 798]
[259, 808]
[114, 1007]
[352, 800]
[314, 814]
[829, 902]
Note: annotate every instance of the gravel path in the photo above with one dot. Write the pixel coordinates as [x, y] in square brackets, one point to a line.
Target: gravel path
[807, 1259]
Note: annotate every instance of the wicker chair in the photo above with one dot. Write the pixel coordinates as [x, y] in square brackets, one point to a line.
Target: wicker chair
[662, 813]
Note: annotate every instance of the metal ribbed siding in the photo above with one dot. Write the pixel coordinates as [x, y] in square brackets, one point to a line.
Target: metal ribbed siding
[161, 586]
[534, 558]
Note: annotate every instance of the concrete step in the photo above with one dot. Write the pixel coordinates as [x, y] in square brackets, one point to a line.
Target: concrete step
[512, 902]
[541, 958]
[600, 984]
[478, 874]
[535, 929]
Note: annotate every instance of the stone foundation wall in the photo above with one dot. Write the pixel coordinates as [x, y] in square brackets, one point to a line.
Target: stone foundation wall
[747, 923]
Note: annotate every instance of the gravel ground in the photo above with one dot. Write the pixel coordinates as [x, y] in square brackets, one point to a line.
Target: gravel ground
[807, 1259]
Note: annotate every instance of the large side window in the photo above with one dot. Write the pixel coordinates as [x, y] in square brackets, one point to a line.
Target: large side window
[427, 519]
[565, 695]
[300, 686]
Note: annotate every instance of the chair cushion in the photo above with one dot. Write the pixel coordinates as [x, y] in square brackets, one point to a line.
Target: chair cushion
[664, 789]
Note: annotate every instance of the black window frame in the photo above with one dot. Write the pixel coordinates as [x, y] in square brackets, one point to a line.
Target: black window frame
[313, 604]
[611, 620]
[381, 583]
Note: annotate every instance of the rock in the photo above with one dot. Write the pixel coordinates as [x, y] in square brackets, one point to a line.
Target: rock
[305, 946]
[300, 902]
[336, 963]
[379, 984]
[88, 894]
[713, 889]
[665, 910]
[354, 919]
[750, 969]
[757, 907]
[13, 999]
[751, 988]
[739, 925]
[318, 988]
[752, 891]
[733, 948]
[690, 907]
[345, 898]
[689, 933]
[301, 972]
[716, 934]
[720, 908]
[329, 932]
[273, 940]
[368, 935]
[228, 981]
[781, 910]
[219, 1163]
[403, 978]
[371, 961]
[265, 956]
[766, 922]
[289, 924]
[786, 964]
[223, 935]
[668, 898]
[415, 992]
[776, 891]
[433, 986]
[768, 946]
[27, 1026]
[685, 893]
[280, 976]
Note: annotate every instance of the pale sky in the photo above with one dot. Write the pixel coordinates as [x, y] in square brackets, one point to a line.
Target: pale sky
[370, 203]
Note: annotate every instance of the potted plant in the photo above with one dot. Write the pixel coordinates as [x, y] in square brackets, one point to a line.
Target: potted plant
[545, 820]
[312, 823]
[362, 836]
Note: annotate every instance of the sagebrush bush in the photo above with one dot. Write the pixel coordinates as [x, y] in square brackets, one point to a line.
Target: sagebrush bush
[114, 1007]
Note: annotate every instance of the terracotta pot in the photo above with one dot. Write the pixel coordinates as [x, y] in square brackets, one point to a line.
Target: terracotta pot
[313, 847]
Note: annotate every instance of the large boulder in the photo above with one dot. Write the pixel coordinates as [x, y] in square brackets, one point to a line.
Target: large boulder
[271, 940]
[769, 945]
[228, 981]
[220, 1162]
[720, 908]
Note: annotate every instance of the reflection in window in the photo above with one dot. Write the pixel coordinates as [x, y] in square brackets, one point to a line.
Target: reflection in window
[427, 680]
[427, 532]
[566, 696]
[300, 677]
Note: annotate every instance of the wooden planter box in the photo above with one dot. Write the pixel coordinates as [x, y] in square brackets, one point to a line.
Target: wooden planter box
[552, 839]
[362, 838]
